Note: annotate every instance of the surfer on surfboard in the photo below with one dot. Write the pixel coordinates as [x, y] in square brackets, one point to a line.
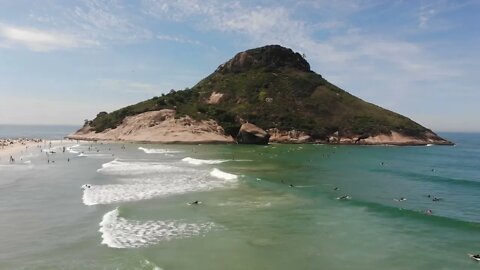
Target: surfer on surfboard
[475, 257]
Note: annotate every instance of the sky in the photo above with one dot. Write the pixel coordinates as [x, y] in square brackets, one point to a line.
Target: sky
[63, 61]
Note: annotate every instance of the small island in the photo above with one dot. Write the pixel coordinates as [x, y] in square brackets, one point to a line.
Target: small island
[260, 96]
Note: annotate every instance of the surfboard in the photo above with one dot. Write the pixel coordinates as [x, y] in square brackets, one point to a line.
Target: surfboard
[473, 257]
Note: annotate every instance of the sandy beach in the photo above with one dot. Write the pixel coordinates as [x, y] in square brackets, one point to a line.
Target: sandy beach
[12, 147]
[16, 147]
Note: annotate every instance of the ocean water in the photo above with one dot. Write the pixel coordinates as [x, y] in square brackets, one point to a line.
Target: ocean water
[52, 132]
[115, 206]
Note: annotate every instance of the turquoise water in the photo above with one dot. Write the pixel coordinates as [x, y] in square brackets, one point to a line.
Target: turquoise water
[133, 211]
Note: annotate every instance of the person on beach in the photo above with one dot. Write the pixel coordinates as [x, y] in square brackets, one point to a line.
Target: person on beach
[12, 160]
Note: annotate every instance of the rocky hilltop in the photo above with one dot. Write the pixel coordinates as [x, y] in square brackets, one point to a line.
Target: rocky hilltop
[262, 95]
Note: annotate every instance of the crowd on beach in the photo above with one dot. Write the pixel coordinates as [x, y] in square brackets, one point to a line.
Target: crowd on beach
[23, 141]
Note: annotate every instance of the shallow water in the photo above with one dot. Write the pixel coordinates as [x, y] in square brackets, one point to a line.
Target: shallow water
[128, 208]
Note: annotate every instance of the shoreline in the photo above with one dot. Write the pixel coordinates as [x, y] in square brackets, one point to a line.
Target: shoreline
[20, 146]
[16, 147]
[74, 138]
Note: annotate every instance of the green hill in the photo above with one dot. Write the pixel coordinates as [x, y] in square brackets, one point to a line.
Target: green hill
[273, 87]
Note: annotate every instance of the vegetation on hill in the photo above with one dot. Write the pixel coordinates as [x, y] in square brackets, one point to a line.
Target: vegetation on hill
[273, 87]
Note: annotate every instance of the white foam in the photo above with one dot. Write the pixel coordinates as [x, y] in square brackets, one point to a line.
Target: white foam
[96, 155]
[195, 161]
[430, 144]
[118, 232]
[223, 175]
[157, 150]
[144, 189]
[118, 167]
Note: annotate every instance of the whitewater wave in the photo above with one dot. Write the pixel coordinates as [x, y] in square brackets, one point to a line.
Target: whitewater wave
[153, 180]
[73, 150]
[124, 167]
[118, 232]
[223, 175]
[195, 161]
[96, 155]
[157, 151]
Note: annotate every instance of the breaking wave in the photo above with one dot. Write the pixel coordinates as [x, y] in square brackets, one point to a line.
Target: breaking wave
[195, 161]
[157, 151]
[118, 232]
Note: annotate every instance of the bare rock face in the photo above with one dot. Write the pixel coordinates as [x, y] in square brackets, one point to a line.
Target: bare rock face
[215, 98]
[291, 136]
[159, 127]
[272, 56]
[251, 134]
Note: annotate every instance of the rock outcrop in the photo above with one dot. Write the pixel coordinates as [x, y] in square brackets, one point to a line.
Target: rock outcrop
[291, 136]
[272, 57]
[160, 127]
[251, 134]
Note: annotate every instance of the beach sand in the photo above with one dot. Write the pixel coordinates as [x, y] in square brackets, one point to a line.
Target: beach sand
[15, 147]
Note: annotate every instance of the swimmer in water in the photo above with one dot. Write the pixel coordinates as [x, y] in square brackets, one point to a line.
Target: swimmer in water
[195, 203]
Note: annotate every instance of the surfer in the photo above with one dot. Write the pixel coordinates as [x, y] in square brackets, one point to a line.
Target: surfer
[429, 212]
[475, 257]
[336, 188]
[291, 185]
[435, 199]
[344, 197]
[195, 203]
[401, 199]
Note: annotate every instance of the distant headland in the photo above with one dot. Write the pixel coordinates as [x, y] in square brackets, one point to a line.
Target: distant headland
[262, 95]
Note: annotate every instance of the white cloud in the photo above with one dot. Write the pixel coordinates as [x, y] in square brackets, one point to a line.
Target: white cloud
[39, 40]
[347, 50]
[425, 15]
[177, 39]
[106, 20]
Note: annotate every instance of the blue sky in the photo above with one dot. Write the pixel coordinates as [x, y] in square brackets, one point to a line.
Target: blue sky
[64, 61]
